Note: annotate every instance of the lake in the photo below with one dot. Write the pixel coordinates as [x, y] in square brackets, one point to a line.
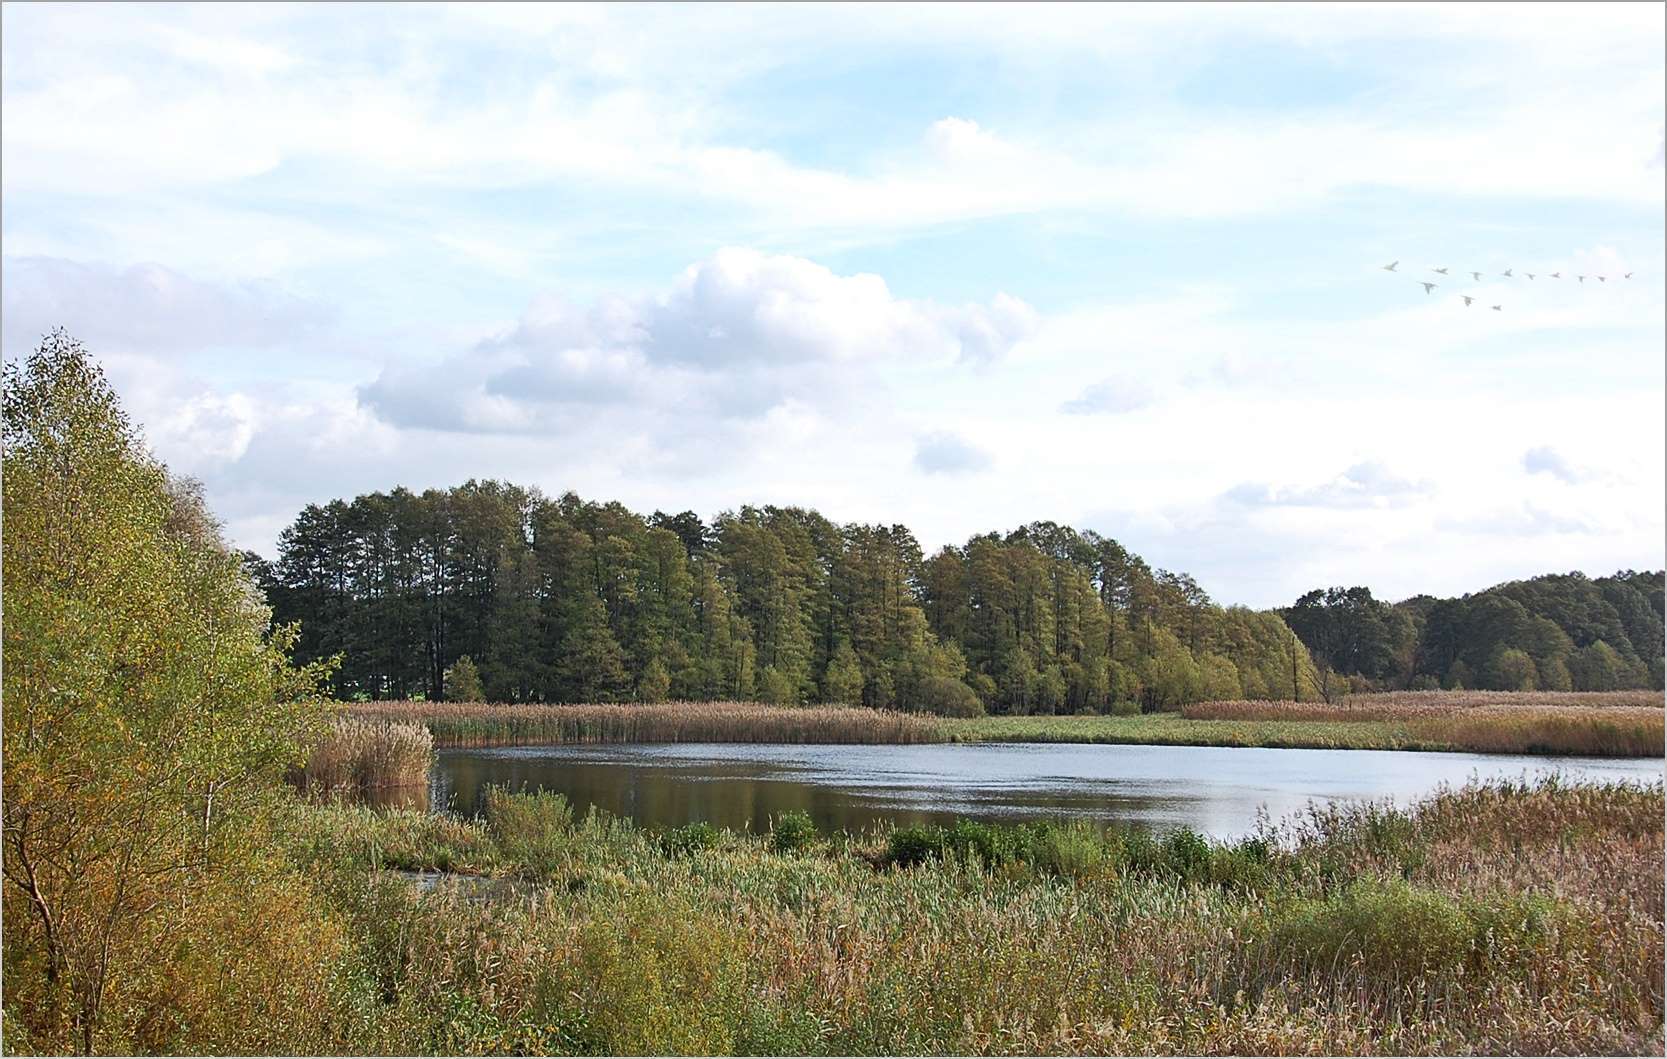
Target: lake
[1216, 790]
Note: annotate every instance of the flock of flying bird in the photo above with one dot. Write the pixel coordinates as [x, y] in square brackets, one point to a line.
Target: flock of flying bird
[1477, 276]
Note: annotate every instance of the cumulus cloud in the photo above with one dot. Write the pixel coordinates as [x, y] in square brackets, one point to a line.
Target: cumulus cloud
[946, 453]
[735, 335]
[1546, 460]
[1367, 484]
[1110, 397]
[147, 308]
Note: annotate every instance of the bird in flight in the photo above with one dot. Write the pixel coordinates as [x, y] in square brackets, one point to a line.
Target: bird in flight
[1428, 287]
[1497, 309]
[1477, 276]
[1440, 270]
[1581, 278]
[1627, 276]
[1467, 300]
[1603, 279]
[1391, 266]
[1530, 275]
[1507, 273]
[1556, 275]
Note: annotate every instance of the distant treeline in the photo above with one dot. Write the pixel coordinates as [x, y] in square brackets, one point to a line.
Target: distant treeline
[493, 590]
[1560, 632]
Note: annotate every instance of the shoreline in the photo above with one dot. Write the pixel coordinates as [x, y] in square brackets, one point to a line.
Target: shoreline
[1632, 732]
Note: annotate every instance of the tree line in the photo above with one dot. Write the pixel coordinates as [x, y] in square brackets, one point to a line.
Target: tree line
[1559, 632]
[493, 590]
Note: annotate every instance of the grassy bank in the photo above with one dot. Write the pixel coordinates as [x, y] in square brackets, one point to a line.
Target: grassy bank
[1619, 724]
[1496, 919]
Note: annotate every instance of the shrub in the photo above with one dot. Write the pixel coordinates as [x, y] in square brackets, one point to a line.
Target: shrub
[908, 846]
[1073, 849]
[1391, 931]
[689, 839]
[793, 831]
[534, 829]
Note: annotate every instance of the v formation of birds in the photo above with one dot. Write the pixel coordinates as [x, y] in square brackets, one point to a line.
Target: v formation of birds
[1430, 287]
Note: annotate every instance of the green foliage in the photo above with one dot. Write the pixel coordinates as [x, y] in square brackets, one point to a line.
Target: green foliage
[569, 601]
[1559, 632]
[534, 829]
[462, 681]
[147, 707]
[792, 831]
[1394, 931]
[843, 682]
[689, 839]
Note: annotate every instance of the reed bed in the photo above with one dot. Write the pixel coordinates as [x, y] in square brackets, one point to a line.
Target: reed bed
[482, 724]
[1494, 919]
[1599, 731]
[1602, 724]
[361, 756]
[1407, 705]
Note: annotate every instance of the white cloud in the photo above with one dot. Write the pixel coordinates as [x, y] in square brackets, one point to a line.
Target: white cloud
[147, 308]
[735, 335]
[1368, 484]
[1543, 459]
[945, 453]
[1110, 397]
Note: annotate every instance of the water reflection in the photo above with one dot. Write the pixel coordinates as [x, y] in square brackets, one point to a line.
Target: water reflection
[1217, 790]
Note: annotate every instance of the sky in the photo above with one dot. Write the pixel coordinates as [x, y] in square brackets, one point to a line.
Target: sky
[1118, 267]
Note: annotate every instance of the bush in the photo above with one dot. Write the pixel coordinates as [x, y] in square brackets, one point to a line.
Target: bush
[1070, 849]
[792, 832]
[908, 846]
[1392, 931]
[534, 829]
[689, 839]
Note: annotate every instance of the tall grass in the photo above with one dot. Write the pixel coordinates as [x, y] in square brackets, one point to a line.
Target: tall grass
[482, 724]
[1598, 731]
[1608, 724]
[359, 755]
[1406, 705]
[1496, 919]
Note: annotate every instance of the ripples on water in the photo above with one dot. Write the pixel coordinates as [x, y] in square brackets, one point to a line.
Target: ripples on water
[1216, 790]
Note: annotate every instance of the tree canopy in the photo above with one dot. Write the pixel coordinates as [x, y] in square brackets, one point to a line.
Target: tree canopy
[570, 600]
[1559, 632]
[146, 699]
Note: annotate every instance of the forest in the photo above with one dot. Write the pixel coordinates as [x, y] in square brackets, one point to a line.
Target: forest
[1559, 632]
[520, 598]
[526, 599]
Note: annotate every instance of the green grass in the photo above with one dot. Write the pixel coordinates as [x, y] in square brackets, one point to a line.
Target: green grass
[1171, 729]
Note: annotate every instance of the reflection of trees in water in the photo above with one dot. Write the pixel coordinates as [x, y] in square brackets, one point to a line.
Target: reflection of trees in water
[736, 796]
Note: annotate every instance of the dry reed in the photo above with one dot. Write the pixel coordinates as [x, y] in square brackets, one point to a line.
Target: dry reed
[1604, 731]
[1610, 724]
[1407, 705]
[359, 754]
[482, 724]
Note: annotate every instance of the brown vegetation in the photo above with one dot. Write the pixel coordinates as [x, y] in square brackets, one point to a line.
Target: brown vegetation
[1607, 724]
[1406, 705]
[483, 724]
[1501, 919]
[355, 755]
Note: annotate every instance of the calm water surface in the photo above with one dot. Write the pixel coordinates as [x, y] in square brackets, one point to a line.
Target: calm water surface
[1217, 790]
